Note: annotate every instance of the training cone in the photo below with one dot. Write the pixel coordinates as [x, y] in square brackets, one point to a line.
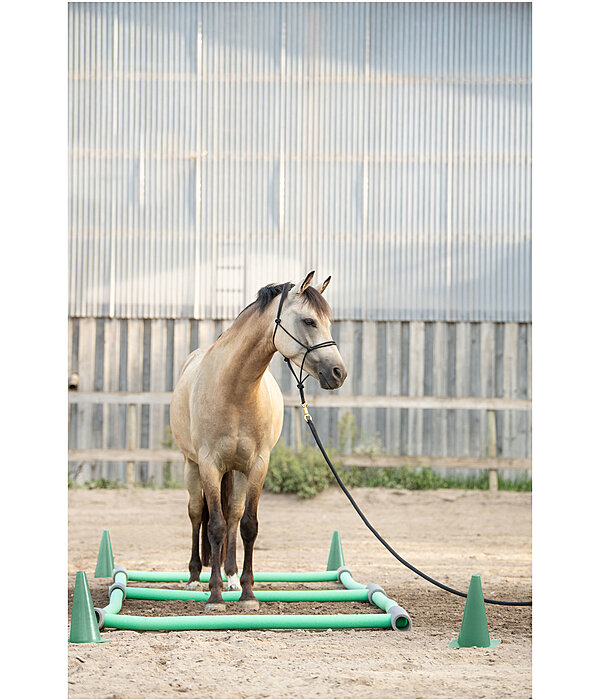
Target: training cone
[336, 555]
[105, 563]
[84, 626]
[474, 628]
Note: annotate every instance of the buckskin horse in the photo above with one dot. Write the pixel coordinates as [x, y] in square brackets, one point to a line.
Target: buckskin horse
[227, 415]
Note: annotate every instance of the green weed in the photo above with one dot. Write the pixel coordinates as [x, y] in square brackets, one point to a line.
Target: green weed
[306, 474]
[103, 484]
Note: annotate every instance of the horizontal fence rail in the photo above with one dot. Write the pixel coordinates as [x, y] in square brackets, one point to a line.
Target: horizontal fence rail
[160, 398]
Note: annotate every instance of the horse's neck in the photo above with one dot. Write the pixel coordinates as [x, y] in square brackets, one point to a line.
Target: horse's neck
[246, 352]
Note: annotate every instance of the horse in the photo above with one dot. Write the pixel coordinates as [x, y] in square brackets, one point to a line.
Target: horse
[227, 415]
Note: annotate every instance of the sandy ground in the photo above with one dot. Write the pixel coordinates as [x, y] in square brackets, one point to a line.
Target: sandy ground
[448, 534]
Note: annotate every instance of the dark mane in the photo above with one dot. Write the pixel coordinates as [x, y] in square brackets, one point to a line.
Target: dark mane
[266, 294]
[311, 297]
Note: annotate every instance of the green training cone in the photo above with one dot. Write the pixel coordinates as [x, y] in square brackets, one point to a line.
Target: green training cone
[84, 626]
[336, 555]
[474, 628]
[105, 563]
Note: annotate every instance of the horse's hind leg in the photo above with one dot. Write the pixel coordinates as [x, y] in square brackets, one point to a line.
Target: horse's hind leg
[195, 505]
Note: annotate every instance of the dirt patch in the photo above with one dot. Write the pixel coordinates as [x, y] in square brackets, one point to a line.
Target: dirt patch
[448, 534]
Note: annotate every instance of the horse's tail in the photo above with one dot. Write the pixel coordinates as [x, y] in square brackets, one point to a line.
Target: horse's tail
[226, 483]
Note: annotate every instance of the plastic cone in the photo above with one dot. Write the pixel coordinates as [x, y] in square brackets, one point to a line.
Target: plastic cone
[105, 563]
[84, 626]
[336, 555]
[474, 628]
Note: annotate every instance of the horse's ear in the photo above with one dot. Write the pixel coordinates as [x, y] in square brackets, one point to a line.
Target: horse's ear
[301, 286]
[324, 285]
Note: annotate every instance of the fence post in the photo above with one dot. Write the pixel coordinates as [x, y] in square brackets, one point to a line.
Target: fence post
[131, 440]
[492, 449]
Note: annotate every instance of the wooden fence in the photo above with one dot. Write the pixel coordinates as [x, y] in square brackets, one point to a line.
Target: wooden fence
[384, 359]
[491, 462]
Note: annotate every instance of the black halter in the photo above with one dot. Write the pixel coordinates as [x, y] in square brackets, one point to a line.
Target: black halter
[309, 348]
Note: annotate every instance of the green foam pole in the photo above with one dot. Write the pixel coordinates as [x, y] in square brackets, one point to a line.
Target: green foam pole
[259, 576]
[474, 628]
[249, 622]
[336, 555]
[230, 596]
[105, 563]
[84, 626]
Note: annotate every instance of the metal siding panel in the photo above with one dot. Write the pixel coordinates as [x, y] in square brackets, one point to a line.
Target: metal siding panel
[218, 147]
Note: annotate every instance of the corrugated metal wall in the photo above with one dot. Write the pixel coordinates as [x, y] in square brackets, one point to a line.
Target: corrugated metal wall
[217, 147]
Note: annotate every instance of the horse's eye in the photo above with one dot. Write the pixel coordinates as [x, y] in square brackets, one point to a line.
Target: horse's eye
[310, 322]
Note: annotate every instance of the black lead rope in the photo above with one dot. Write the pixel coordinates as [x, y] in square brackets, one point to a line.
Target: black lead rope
[363, 517]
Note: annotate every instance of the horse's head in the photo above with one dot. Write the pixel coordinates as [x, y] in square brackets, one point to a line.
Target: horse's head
[307, 317]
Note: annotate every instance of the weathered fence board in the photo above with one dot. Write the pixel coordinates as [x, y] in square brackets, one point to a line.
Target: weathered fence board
[110, 382]
[158, 370]
[415, 386]
[85, 367]
[440, 417]
[487, 369]
[369, 374]
[510, 353]
[463, 341]
[393, 376]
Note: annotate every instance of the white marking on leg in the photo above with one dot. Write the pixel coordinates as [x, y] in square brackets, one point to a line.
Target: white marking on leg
[233, 583]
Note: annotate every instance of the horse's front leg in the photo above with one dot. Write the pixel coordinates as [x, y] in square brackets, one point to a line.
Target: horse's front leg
[217, 529]
[249, 531]
[234, 511]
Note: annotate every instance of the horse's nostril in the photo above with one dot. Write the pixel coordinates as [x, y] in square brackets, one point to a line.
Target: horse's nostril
[337, 372]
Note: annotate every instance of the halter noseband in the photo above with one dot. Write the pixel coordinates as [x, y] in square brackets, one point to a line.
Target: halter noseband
[309, 348]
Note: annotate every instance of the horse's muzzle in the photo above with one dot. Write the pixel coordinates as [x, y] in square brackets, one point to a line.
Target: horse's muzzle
[332, 377]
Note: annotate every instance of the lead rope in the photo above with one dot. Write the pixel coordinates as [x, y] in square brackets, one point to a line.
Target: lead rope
[307, 417]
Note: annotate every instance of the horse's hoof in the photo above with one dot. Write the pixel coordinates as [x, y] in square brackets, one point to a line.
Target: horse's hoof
[214, 608]
[251, 604]
[193, 586]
